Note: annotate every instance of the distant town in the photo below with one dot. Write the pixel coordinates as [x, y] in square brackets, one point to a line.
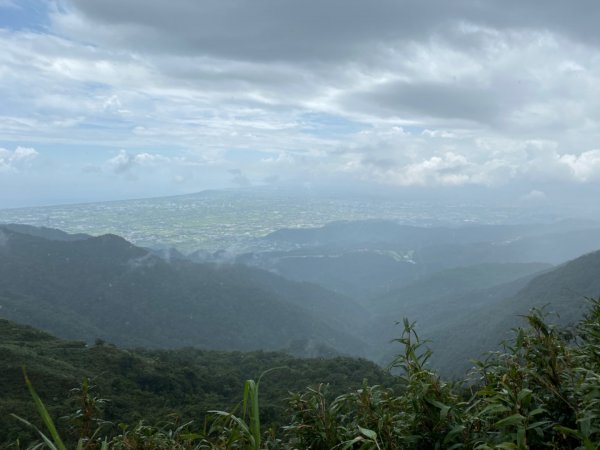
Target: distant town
[234, 219]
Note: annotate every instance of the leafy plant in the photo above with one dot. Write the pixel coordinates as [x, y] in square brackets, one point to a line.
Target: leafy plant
[541, 391]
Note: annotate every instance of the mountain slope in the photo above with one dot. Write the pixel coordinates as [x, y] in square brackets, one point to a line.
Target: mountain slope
[104, 287]
[451, 283]
[357, 234]
[466, 325]
[370, 258]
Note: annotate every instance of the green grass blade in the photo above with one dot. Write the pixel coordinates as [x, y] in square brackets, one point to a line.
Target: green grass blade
[45, 416]
[46, 440]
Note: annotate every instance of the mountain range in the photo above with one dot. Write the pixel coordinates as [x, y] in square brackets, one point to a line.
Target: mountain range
[464, 296]
[105, 288]
[367, 259]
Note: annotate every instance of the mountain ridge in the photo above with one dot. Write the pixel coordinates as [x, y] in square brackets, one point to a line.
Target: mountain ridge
[138, 299]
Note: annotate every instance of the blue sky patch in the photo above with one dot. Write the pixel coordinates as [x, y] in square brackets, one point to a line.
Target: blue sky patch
[24, 15]
[328, 125]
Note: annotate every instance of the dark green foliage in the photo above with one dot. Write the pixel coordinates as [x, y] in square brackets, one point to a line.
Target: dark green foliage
[149, 385]
[541, 392]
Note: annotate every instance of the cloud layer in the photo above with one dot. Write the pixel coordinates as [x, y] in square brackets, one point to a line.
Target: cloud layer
[412, 93]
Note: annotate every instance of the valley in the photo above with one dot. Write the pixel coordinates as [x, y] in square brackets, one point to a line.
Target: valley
[332, 290]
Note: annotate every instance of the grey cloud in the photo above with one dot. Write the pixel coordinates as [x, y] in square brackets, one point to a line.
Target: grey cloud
[123, 162]
[332, 56]
[578, 20]
[287, 30]
[264, 30]
[431, 99]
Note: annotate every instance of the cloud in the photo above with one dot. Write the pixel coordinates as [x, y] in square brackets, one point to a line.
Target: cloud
[533, 197]
[276, 30]
[448, 169]
[403, 159]
[124, 162]
[583, 167]
[444, 100]
[17, 159]
[414, 93]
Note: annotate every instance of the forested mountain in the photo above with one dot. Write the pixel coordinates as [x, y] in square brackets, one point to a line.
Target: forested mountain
[371, 258]
[90, 288]
[44, 232]
[348, 234]
[150, 385]
[104, 287]
[463, 323]
[436, 289]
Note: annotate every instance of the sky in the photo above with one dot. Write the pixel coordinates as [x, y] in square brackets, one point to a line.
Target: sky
[119, 99]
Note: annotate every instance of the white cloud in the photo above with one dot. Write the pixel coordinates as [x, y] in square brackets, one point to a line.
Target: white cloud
[583, 167]
[124, 161]
[533, 197]
[19, 158]
[449, 169]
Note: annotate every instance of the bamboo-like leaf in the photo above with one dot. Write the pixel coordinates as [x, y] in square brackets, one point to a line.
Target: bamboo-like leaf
[44, 415]
[515, 419]
[45, 438]
[370, 434]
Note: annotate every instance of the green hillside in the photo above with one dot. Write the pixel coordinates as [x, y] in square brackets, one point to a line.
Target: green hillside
[438, 289]
[541, 391]
[104, 287]
[467, 325]
[150, 385]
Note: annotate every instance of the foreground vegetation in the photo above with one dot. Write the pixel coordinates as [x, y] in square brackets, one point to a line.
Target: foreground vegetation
[152, 385]
[542, 391]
